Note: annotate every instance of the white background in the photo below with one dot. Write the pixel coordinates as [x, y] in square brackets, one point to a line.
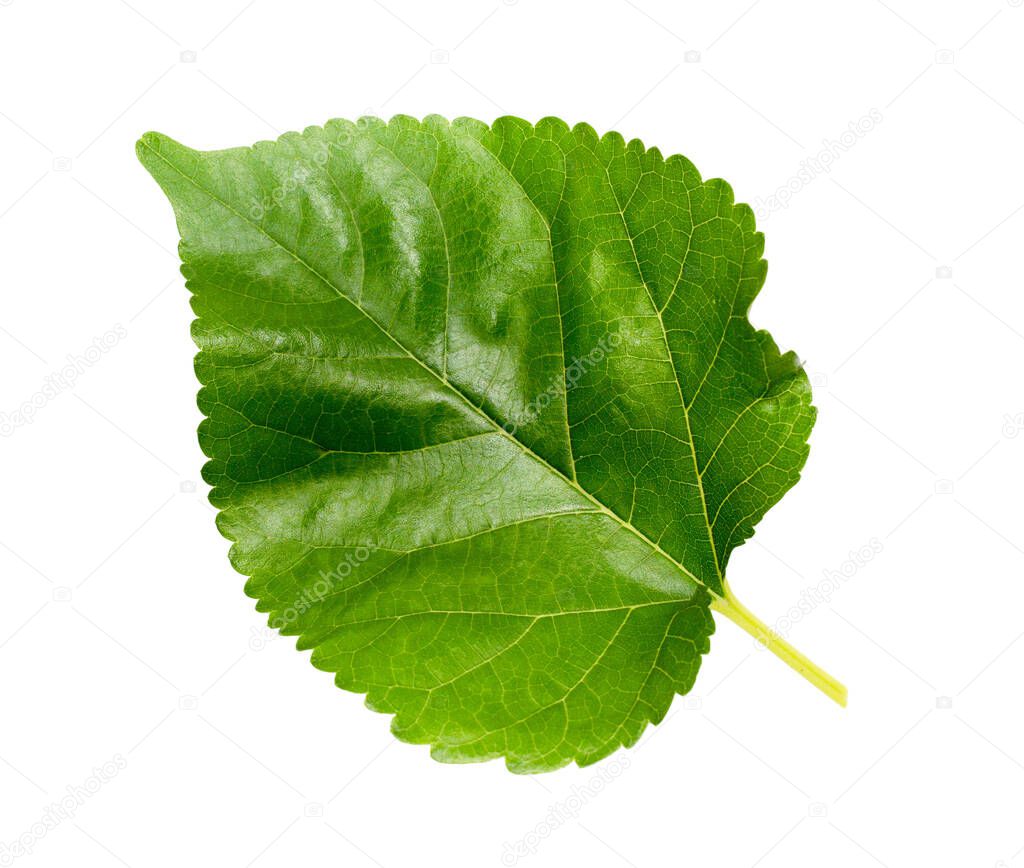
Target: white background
[124, 633]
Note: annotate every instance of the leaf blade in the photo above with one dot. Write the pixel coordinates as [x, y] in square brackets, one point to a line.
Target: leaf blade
[380, 306]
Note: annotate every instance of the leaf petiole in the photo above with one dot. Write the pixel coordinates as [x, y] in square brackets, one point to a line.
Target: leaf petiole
[740, 615]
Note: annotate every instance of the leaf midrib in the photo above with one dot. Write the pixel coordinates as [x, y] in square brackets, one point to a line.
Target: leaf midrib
[626, 525]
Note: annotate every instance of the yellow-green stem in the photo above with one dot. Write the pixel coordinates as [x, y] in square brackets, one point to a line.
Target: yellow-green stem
[740, 615]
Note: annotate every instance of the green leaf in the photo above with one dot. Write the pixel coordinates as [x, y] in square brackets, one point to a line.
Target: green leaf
[485, 417]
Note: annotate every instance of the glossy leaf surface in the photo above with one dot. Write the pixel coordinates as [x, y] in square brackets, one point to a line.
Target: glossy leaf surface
[485, 415]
